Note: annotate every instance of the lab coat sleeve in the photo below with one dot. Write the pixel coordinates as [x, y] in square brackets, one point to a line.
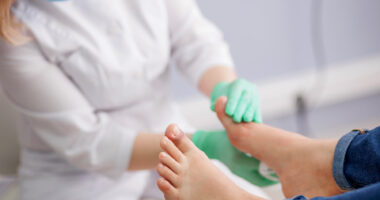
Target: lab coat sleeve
[196, 43]
[58, 113]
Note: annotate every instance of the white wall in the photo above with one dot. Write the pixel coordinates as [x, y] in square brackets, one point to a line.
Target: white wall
[273, 37]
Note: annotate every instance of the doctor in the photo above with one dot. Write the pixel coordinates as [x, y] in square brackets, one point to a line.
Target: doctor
[90, 80]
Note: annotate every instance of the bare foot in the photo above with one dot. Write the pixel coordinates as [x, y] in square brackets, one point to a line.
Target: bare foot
[303, 165]
[188, 174]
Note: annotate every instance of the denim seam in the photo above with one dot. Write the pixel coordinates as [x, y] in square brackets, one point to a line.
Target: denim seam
[339, 158]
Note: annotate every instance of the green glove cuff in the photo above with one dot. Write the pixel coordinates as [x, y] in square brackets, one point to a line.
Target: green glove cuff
[209, 142]
[216, 145]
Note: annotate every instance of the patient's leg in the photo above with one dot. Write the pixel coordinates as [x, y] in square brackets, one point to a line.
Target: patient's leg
[188, 174]
[303, 165]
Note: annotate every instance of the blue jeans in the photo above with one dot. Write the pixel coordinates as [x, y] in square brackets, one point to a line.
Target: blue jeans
[356, 166]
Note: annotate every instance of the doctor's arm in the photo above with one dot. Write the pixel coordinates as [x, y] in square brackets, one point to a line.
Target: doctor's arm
[59, 115]
[145, 151]
[214, 75]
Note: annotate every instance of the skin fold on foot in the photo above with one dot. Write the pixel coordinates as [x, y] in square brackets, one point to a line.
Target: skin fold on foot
[303, 165]
[188, 174]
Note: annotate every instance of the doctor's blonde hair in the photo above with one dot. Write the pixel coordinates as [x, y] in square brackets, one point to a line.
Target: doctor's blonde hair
[10, 29]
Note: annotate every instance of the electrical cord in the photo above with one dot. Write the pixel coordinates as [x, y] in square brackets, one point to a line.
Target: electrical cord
[306, 102]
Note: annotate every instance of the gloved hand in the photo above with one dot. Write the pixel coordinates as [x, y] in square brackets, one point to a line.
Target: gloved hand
[216, 145]
[243, 100]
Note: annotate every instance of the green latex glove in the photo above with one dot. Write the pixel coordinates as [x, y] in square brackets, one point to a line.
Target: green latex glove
[216, 145]
[243, 100]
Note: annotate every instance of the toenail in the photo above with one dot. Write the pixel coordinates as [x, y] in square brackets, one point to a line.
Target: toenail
[162, 154]
[176, 131]
[165, 140]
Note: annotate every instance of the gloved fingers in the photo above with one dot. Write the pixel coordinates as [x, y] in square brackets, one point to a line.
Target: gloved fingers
[220, 108]
[249, 113]
[253, 112]
[212, 107]
[241, 107]
[234, 93]
[219, 90]
[258, 117]
[213, 103]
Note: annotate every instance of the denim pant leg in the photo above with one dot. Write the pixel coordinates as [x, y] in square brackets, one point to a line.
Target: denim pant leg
[362, 160]
[370, 192]
[356, 164]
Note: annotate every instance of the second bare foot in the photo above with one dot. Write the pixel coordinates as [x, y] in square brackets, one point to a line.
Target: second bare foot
[303, 165]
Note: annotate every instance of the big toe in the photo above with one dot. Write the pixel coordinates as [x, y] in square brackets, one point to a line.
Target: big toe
[176, 135]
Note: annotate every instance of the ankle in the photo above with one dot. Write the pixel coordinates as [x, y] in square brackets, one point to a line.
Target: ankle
[324, 150]
[291, 153]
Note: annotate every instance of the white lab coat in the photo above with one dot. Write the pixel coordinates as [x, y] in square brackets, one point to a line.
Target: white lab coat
[95, 75]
